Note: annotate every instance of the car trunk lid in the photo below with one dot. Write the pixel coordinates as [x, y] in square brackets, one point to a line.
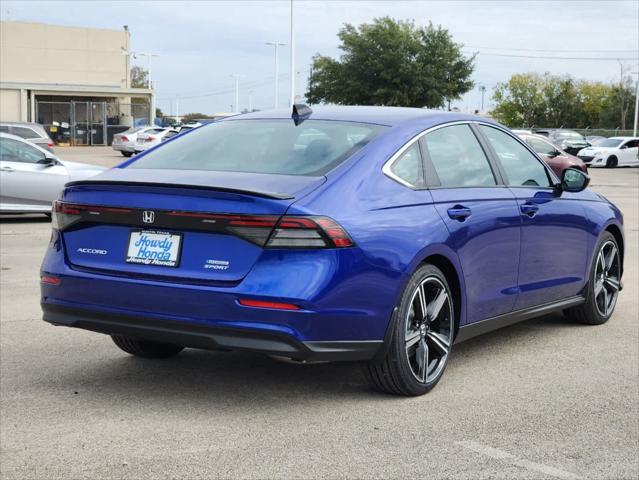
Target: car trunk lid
[209, 226]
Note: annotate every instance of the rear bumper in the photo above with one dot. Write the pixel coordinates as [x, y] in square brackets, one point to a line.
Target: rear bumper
[209, 337]
[123, 147]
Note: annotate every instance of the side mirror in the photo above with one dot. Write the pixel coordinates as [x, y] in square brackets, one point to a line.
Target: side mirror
[573, 180]
[554, 154]
[48, 162]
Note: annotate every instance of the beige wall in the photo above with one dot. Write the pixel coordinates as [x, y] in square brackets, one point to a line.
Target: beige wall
[10, 106]
[40, 53]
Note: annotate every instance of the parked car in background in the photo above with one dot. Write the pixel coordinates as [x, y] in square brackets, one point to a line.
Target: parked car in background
[31, 177]
[150, 138]
[595, 140]
[521, 131]
[568, 140]
[556, 158]
[33, 132]
[613, 152]
[189, 126]
[234, 237]
[172, 132]
[125, 142]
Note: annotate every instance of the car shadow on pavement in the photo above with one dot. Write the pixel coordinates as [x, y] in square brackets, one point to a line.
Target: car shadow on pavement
[204, 379]
[10, 219]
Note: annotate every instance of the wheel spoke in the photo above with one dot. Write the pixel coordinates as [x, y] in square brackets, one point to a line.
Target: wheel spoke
[439, 341]
[605, 305]
[436, 305]
[610, 258]
[421, 295]
[421, 355]
[613, 283]
[412, 339]
[599, 285]
[600, 261]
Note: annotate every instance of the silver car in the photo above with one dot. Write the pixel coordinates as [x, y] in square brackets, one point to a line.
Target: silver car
[125, 142]
[34, 132]
[31, 177]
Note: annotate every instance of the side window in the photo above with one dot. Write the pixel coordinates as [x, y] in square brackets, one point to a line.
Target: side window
[14, 151]
[24, 132]
[457, 157]
[4, 128]
[630, 144]
[522, 167]
[408, 167]
[541, 147]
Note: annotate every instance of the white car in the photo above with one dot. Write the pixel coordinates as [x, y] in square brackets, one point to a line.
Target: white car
[31, 178]
[612, 152]
[151, 138]
[125, 142]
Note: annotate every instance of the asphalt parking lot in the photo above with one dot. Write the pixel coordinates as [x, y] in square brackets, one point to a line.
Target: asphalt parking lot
[542, 399]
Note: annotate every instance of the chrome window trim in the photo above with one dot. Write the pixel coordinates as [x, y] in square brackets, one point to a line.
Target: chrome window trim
[386, 168]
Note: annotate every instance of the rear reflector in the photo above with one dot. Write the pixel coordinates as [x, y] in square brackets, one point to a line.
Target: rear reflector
[48, 280]
[260, 304]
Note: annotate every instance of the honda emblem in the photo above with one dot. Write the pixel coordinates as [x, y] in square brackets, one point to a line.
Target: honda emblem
[148, 216]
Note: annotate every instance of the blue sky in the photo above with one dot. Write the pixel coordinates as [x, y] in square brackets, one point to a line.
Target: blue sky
[202, 43]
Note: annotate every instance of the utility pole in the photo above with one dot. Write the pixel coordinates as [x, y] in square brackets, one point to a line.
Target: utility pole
[482, 89]
[292, 101]
[276, 44]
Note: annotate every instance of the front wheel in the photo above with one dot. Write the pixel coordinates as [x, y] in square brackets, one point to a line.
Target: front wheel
[611, 162]
[603, 286]
[422, 337]
[145, 348]
[126, 154]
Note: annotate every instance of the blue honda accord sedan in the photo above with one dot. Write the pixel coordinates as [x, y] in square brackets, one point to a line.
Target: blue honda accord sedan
[373, 234]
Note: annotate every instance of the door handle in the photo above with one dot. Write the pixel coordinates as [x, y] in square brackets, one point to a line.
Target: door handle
[8, 169]
[529, 209]
[459, 212]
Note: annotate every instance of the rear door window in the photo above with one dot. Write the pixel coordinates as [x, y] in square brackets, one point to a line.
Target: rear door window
[458, 158]
[541, 147]
[16, 151]
[24, 132]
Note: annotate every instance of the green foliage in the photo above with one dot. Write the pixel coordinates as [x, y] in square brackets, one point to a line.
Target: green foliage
[530, 99]
[189, 117]
[393, 63]
[139, 77]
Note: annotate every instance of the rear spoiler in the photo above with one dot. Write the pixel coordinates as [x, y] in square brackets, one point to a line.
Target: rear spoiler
[255, 193]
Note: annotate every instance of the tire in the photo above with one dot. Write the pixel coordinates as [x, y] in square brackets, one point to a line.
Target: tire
[146, 349]
[126, 154]
[602, 292]
[400, 371]
[611, 162]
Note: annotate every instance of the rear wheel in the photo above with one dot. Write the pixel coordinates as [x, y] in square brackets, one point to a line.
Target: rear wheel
[603, 287]
[126, 154]
[422, 337]
[611, 162]
[145, 348]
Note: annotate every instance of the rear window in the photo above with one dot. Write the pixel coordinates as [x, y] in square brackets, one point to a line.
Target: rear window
[263, 146]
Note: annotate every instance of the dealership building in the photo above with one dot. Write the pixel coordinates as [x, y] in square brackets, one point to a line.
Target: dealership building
[74, 81]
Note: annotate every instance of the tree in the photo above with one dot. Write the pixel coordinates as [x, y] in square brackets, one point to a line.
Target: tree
[139, 77]
[530, 99]
[394, 63]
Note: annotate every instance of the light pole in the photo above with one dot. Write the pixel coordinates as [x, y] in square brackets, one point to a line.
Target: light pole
[149, 85]
[276, 45]
[292, 100]
[634, 129]
[237, 91]
[482, 89]
[250, 101]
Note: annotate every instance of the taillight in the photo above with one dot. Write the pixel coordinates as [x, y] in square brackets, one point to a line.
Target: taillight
[63, 215]
[149, 138]
[308, 232]
[124, 138]
[50, 144]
